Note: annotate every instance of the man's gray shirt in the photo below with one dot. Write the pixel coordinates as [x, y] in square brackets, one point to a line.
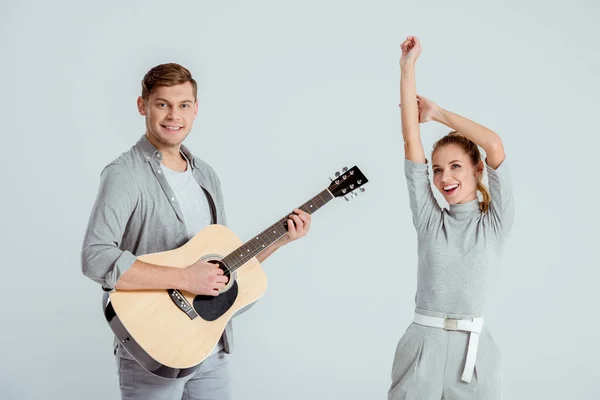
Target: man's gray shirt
[136, 213]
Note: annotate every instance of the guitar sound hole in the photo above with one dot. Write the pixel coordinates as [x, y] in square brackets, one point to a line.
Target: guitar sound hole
[211, 308]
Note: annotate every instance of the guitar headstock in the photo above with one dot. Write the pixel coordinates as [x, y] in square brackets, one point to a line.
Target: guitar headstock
[347, 182]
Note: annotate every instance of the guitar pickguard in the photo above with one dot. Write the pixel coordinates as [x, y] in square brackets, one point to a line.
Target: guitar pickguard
[211, 308]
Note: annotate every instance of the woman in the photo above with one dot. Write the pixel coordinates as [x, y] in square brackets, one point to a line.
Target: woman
[447, 352]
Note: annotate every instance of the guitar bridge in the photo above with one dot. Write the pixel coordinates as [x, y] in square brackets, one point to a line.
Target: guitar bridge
[181, 302]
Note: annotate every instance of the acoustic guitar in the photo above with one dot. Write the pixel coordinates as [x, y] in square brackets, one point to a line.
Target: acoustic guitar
[170, 332]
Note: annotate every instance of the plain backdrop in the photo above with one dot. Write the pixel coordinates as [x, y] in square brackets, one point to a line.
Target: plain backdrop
[289, 93]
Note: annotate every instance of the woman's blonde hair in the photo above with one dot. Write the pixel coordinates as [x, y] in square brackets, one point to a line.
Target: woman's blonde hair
[474, 154]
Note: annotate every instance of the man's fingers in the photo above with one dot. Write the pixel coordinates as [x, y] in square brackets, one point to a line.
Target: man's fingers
[299, 224]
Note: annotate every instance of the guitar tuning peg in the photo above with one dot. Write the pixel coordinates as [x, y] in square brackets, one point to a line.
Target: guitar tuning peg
[362, 189]
[330, 179]
[345, 169]
[337, 174]
[354, 194]
[347, 199]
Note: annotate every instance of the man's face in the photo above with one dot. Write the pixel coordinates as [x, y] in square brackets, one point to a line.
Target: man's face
[170, 113]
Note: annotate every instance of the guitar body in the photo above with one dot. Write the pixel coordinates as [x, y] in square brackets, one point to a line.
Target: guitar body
[159, 334]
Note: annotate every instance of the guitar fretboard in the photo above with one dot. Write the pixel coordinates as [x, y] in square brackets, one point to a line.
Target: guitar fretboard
[260, 242]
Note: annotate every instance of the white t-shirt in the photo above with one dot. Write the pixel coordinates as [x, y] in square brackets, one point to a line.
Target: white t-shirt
[194, 205]
[191, 198]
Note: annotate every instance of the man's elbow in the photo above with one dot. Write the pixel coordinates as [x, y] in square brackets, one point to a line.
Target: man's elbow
[90, 268]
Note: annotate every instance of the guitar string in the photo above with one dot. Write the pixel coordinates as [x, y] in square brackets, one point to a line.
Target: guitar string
[277, 225]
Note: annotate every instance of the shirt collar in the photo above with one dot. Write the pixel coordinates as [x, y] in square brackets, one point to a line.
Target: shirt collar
[150, 152]
[465, 210]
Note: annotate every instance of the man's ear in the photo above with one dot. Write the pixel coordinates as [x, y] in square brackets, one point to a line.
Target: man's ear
[141, 105]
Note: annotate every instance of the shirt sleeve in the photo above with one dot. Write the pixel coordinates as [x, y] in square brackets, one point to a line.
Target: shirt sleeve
[423, 205]
[502, 206]
[101, 258]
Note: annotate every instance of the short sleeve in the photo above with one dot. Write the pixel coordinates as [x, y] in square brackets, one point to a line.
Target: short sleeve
[502, 206]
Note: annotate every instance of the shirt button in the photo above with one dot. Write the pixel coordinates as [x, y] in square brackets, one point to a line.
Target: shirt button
[159, 171]
[172, 198]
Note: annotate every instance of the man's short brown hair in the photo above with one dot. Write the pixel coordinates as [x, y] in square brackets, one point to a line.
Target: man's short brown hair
[170, 74]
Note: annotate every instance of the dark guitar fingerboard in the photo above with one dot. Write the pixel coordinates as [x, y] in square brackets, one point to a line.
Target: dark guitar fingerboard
[260, 242]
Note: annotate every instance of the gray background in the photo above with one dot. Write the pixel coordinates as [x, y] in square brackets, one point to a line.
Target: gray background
[290, 92]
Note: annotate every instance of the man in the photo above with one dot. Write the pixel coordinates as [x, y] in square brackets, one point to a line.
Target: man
[154, 198]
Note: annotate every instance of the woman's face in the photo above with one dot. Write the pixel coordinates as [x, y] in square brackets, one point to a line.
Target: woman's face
[454, 175]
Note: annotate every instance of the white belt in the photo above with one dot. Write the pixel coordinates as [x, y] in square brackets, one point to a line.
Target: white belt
[473, 325]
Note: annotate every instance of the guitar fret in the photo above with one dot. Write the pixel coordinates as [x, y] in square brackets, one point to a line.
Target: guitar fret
[260, 242]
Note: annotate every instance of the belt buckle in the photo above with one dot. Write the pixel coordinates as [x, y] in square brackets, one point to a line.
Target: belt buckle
[451, 324]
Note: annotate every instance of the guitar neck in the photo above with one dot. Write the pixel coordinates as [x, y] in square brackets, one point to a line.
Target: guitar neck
[260, 242]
